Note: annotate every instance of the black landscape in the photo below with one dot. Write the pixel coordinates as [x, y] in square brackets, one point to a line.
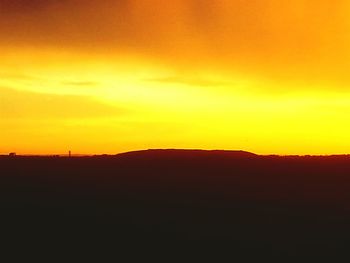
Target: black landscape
[257, 205]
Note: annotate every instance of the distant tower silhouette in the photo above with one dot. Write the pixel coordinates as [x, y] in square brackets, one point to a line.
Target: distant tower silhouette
[70, 154]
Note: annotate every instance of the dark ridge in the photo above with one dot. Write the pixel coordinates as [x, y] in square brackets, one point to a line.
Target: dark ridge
[184, 153]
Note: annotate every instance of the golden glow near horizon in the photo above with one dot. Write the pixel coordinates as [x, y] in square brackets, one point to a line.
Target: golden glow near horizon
[267, 76]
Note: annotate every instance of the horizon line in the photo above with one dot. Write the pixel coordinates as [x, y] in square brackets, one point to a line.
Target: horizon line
[72, 155]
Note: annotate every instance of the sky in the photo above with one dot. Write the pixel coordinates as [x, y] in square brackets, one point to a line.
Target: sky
[267, 76]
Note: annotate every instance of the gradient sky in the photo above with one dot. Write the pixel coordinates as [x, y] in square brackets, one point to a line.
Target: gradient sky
[267, 76]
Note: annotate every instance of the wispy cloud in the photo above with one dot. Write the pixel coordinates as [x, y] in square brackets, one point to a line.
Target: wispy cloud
[17, 76]
[26, 104]
[80, 83]
[189, 81]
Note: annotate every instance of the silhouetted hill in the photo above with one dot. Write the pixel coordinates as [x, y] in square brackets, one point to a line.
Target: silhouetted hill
[177, 155]
[260, 206]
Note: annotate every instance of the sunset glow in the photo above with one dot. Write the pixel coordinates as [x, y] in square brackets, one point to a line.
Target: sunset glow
[269, 76]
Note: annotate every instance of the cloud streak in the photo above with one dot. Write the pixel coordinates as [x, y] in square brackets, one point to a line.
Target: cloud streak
[194, 82]
[15, 104]
[80, 83]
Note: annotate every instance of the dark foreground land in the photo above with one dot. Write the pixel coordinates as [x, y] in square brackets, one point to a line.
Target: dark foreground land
[253, 205]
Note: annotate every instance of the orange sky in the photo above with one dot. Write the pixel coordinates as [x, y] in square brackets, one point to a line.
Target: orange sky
[268, 76]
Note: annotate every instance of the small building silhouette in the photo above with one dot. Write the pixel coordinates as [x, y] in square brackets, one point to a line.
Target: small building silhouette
[13, 154]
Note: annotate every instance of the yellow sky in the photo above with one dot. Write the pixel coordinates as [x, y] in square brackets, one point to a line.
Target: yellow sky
[267, 76]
